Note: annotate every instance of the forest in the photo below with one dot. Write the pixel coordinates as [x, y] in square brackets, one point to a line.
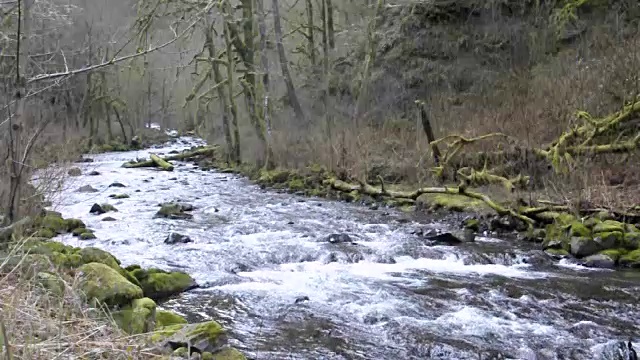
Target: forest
[524, 113]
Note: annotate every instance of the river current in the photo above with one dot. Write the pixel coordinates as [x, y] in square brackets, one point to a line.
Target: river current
[269, 275]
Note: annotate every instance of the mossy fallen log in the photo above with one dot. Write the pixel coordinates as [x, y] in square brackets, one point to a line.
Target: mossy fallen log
[208, 151]
[163, 164]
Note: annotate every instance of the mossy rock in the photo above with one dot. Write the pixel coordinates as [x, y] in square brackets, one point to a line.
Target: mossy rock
[119, 196]
[472, 224]
[108, 207]
[106, 285]
[556, 237]
[296, 184]
[79, 231]
[226, 354]
[579, 229]
[603, 215]
[73, 224]
[95, 255]
[201, 337]
[609, 226]
[614, 254]
[54, 223]
[172, 211]
[132, 267]
[632, 259]
[87, 236]
[160, 285]
[28, 265]
[138, 317]
[632, 240]
[582, 247]
[610, 240]
[167, 318]
[51, 282]
[270, 177]
[47, 247]
[74, 171]
[45, 233]
[591, 222]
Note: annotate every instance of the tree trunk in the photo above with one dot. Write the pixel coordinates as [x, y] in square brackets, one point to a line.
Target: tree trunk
[266, 109]
[428, 131]
[217, 77]
[233, 109]
[330, 33]
[310, 34]
[291, 91]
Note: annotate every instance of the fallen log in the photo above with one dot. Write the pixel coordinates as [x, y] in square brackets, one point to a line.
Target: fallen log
[165, 165]
[185, 155]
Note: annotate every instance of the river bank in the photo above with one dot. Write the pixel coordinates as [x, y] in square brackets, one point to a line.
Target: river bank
[271, 273]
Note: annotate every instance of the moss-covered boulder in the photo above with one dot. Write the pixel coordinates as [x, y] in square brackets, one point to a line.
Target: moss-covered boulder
[104, 284]
[54, 223]
[632, 259]
[158, 284]
[166, 318]
[602, 261]
[582, 246]
[108, 207]
[45, 233]
[73, 224]
[201, 337]
[632, 240]
[79, 231]
[51, 282]
[610, 239]
[87, 236]
[28, 265]
[137, 318]
[95, 255]
[579, 229]
[173, 211]
[228, 353]
[609, 226]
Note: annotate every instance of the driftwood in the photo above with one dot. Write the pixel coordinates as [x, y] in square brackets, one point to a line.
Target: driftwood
[185, 155]
[6, 232]
[158, 161]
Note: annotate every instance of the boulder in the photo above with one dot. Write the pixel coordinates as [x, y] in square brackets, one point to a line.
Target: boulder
[93, 173]
[158, 284]
[608, 226]
[609, 240]
[117, 184]
[339, 239]
[467, 235]
[581, 247]
[106, 285]
[96, 209]
[175, 238]
[172, 211]
[201, 337]
[168, 318]
[108, 218]
[119, 196]
[95, 255]
[87, 236]
[137, 318]
[601, 261]
[74, 171]
[87, 189]
[631, 259]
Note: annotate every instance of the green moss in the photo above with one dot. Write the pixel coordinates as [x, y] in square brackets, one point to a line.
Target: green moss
[136, 318]
[166, 318]
[54, 223]
[614, 254]
[181, 352]
[51, 282]
[296, 184]
[132, 267]
[45, 233]
[80, 231]
[72, 224]
[227, 354]
[158, 285]
[610, 239]
[209, 330]
[457, 203]
[108, 207]
[609, 226]
[603, 215]
[87, 236]
[164, 332]
[74, 260]
[632, 240]
[104, 284]
[95, 255]
[556, 237]
[270, 177]
[579, 229]
[472, 224]
[631, 259]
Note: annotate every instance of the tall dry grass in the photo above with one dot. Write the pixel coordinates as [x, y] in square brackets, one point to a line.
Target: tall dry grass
[38, 324]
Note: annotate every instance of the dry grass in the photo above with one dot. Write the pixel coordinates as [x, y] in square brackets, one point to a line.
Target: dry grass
[36, 324]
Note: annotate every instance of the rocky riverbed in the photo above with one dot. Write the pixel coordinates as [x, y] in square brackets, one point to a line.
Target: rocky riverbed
[293, 277]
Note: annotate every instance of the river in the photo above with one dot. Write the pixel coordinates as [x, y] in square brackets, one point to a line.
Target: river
[269, 275]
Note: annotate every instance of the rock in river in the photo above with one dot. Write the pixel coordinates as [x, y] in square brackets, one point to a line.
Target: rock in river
[87, 189]
[175, 238]
[96, 209]
[601, 261]
[339, 238]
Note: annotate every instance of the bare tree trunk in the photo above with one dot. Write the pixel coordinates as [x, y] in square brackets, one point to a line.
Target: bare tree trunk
[330, 33]
[291, 91]
[363, 94]
[217, 77]
[310, 34]
[232, 103]
[266, 109]
[428, 131]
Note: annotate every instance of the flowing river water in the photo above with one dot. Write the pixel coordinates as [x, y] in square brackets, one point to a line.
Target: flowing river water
[268, 274]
